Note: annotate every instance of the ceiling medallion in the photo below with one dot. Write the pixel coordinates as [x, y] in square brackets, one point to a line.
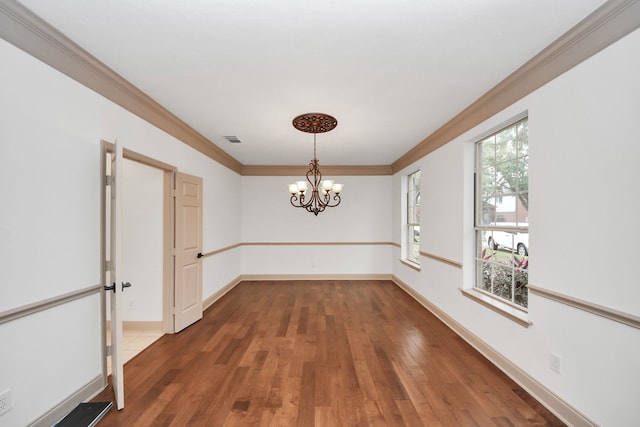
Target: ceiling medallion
[324, 193]
[315, 123]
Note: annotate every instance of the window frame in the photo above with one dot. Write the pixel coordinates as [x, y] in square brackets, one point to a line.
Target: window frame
[513, 265]
[411, 245]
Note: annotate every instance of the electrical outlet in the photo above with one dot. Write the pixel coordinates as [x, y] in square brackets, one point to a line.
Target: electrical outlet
[5, 401]
[132, 305]
[555, 363]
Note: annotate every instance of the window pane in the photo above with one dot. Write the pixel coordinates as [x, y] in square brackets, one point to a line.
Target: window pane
[413, 243]
[416, 179]
[521, 175]
[488, 150]
[522, 137]
[488, 211]
[488, 181]
[506, 145]
[502, 276]
[523, 210]
[521, 281]
[511, 241]
[413, 207]
[485, 276]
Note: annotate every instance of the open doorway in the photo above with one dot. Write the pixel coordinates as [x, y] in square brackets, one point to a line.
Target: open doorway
[142, 257]
[147, 251]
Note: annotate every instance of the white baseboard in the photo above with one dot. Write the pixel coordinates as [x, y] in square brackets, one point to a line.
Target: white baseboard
[60, 411]
[220, 293]
[139, 325]
[151, 326]
[546, 397]
[271, 277]
[267, 277]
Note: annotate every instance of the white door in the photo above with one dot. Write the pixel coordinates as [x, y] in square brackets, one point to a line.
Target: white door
[188, 244]
[115, 273]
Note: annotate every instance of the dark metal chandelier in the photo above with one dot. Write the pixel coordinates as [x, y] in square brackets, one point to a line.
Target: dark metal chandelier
[324, 193]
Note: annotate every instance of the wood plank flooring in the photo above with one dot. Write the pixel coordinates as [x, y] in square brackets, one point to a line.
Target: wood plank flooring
[319, 353]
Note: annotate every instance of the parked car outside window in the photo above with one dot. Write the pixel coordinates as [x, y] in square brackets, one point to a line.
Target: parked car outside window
[511, 240]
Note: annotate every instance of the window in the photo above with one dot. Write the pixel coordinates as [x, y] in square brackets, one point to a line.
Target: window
[502, 218]
[412, 243]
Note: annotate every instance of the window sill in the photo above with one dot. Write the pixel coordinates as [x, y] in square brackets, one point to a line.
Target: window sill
[410, 264]
[511, 313]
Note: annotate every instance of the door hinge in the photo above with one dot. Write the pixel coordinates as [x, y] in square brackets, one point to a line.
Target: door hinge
[108, 351]
[108, 180]
[107, 266]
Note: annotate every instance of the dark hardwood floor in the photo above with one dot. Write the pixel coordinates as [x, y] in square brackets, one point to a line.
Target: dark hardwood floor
[319, 353]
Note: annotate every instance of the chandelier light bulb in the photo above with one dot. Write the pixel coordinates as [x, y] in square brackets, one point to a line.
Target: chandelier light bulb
[302, 186]
[327, 184]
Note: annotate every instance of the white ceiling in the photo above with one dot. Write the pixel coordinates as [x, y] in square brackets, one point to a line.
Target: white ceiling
[391, 71]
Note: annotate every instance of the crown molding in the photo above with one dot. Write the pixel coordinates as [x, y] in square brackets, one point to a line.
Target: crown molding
[268, 170]
[25, 30]
[606, 25]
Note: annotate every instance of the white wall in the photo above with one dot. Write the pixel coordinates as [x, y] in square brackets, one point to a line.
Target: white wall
[363, 216]
[50, 225]
[584, 156]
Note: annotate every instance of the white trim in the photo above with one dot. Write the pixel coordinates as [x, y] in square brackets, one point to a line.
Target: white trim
[502, 308]
[546, 397]
[58, 412]
[267, 277]
[589, 307]
[209, 301]
[411, 264]
[441, 259]
[505, 124]
[29, 309]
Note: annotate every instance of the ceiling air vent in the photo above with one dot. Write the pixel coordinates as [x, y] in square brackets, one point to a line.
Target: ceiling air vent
[233, 139]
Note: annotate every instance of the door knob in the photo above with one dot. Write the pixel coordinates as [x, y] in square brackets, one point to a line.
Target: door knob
[125, 285]
[110, 288]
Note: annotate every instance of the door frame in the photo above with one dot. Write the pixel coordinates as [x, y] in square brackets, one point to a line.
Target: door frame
[168, 231]
[168, 227]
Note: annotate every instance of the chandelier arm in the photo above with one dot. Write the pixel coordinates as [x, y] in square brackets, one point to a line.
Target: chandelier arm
[337, 198]
[299, 198]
